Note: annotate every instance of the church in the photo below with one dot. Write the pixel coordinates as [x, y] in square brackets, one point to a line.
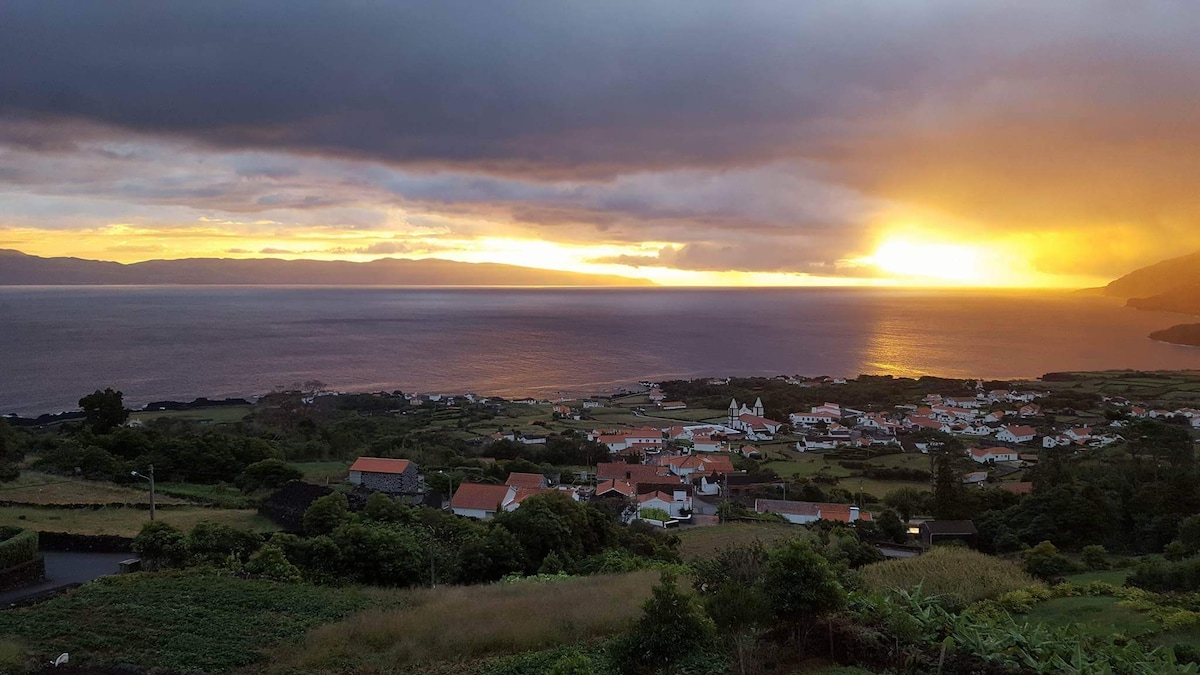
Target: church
[751, 420]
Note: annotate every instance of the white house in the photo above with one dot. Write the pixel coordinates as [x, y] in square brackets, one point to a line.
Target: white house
[1016, 434]
[675, 503]
[707, 444]
[984, 455]
[1079, 435]
[477, 500]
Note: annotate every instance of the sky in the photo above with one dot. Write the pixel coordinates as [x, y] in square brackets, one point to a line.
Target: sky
[692, 143]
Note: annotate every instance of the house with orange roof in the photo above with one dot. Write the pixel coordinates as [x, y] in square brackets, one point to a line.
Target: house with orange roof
[478, 500]
[677, 503]
[392, 476]
[527, 480]
[985, 455]
[707, 444]
[635, 473]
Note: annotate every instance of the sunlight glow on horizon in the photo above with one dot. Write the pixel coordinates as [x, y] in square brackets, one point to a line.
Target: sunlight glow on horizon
[903, 257]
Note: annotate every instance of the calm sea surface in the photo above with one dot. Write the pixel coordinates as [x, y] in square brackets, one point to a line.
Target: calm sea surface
[58, 343]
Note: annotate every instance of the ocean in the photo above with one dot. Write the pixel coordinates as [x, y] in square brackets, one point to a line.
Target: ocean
[178, 343]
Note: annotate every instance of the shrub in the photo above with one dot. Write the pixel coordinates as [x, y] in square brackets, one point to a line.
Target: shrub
[216, 543]
[672, 627]
[1164, 576]
[654, 514]
[1046, 563]
[326, 514]
[269, 562]
[1095, 557]
[268, 474]
[17, 546]
[161, 545]
[970, 575]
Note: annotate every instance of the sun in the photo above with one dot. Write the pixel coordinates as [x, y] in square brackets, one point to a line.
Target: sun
[913, 259]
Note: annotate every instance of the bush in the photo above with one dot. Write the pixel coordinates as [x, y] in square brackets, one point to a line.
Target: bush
[672, 627]
[1046, 563]
[654, 514]
[161, 545]
[269, 562]
[17, 546]
[326, 514]
[268, 474]
[1095, 557]
[1164, 576]
[215, 543]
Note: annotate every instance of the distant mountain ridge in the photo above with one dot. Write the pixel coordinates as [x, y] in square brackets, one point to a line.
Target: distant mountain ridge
[20, 269]
[1169, 286]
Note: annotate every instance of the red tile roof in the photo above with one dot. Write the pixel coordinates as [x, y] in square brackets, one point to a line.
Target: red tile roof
[479, 496]
[526, 480]
[380, 465]
[1018, 488]
[619, 486]
[523, 493]
[633, 472]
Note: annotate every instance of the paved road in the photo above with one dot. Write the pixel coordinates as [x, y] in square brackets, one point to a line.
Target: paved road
[64, 568]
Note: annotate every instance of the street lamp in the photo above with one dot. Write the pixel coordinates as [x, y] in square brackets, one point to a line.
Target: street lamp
[151, 479]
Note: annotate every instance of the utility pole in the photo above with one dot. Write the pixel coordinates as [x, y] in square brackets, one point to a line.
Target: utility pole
[150, 477]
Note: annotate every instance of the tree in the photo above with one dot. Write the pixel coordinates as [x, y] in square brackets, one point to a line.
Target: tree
[672, 627]
[104, 410]
[731, 587]
[161, 545]
[268, 474]
[892, 527]
[907, 501]
[326, 514]
[801, 587]
[216, 543]
[1189, 534]
[948, 497]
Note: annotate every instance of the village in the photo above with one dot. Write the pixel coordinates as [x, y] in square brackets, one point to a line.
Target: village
[673, 472]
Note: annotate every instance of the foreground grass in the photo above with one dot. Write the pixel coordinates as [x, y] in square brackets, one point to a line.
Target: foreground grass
[968, 574]
[182, 622]
[36, 488]
[704, 542]
[468, 623]
[125, 522]
[1101, 615]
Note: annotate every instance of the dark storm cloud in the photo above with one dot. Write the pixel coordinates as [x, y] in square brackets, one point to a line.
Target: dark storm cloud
[760, 135]
[546, 87]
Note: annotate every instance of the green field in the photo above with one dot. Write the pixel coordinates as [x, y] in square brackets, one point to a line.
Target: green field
[702, 542]
[125, 522]
[181, 622]
[36, 488]
[218, 415]
[323, 472]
